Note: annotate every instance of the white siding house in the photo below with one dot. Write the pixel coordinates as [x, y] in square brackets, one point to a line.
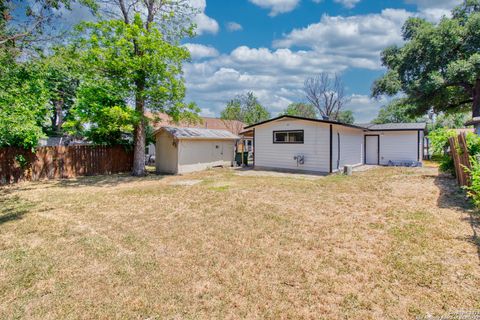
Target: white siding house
[182, 150]
[295, 143]
[398, 146]
[348, 148]
[315, 147]
[396, 143]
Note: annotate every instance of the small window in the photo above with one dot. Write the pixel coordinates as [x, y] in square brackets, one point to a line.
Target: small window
[292, 136]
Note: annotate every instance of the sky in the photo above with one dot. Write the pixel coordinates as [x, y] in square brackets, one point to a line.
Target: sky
[271, 46]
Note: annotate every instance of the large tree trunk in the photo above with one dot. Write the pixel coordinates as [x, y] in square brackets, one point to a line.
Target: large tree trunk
[139, 135]
[476, 105]
[59, 115]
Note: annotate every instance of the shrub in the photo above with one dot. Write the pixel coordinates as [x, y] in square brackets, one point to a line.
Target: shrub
[440, 146]
[473, 191]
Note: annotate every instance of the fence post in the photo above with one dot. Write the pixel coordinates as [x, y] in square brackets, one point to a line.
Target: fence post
[461, 158]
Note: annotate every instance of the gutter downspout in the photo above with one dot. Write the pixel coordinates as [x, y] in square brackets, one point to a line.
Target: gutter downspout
[331, 148]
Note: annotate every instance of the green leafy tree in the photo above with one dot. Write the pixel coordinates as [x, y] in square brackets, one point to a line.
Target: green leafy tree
[301, 109]
[397, 111]
[449, 121]
[101, 114]
[23, 103]
[245, 108]
[24, 91]
[440, 145]
[439, 65]
[62, 77]
[346, 117]
[134, 56]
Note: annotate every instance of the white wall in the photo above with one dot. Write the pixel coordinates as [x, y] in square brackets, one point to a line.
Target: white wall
[166, 154]
[195, 155]
[399, 146]
[316, 146]
[351, 147]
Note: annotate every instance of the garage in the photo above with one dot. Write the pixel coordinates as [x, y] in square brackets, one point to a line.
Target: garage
[183, 150]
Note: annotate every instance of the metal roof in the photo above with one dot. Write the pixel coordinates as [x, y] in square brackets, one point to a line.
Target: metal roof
[197, 133]
[394, 126]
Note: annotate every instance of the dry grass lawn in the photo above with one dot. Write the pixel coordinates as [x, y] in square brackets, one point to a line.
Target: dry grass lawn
[389, 243]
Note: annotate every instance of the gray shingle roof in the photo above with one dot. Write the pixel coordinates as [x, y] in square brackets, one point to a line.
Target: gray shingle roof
[394, 126]
[197, 133]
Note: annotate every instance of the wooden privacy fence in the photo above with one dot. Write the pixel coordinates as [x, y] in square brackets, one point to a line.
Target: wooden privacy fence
[461, 158]
[62, 162]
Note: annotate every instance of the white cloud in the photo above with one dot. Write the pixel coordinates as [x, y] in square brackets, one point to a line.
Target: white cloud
[364, 107]
[359, 38]
[199, 51]
[275, 76]
[204, 112]
[434, 10]
[234, 26]
[276, 6]
[350, 4]
[442, 4]
[204, 23]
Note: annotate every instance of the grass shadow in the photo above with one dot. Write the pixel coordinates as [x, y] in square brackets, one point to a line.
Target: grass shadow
[105, 180]
[13, 208]
[452, 196]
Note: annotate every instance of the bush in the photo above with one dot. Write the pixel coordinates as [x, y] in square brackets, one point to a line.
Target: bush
[440, 146]
[473, 191]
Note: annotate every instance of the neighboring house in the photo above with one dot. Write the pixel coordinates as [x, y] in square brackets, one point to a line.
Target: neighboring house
[61, 141]
[185, 150]
[289, 142]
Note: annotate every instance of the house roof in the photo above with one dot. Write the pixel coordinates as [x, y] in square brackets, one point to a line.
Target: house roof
[199, 133]
[394, 126]
[306, 119]
[164, 120]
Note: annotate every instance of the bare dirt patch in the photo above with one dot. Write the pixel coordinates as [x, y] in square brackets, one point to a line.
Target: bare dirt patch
[278, 174]
[185, 182]
[387, 243]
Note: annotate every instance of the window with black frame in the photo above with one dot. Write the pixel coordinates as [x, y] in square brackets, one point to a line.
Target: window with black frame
[288, 136]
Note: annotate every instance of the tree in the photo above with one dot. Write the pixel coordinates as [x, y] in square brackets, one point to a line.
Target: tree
[301, 109]
[24, 91]
[101, 114]
[449, 121]
[23, 23]
[140, 54]
[439, 65]
[397, 111]
[62, 78]
[327, 94]
[346, 117]
[23, 103]
[245, 108]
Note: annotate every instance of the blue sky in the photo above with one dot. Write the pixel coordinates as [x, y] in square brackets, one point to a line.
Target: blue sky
[270, 47]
